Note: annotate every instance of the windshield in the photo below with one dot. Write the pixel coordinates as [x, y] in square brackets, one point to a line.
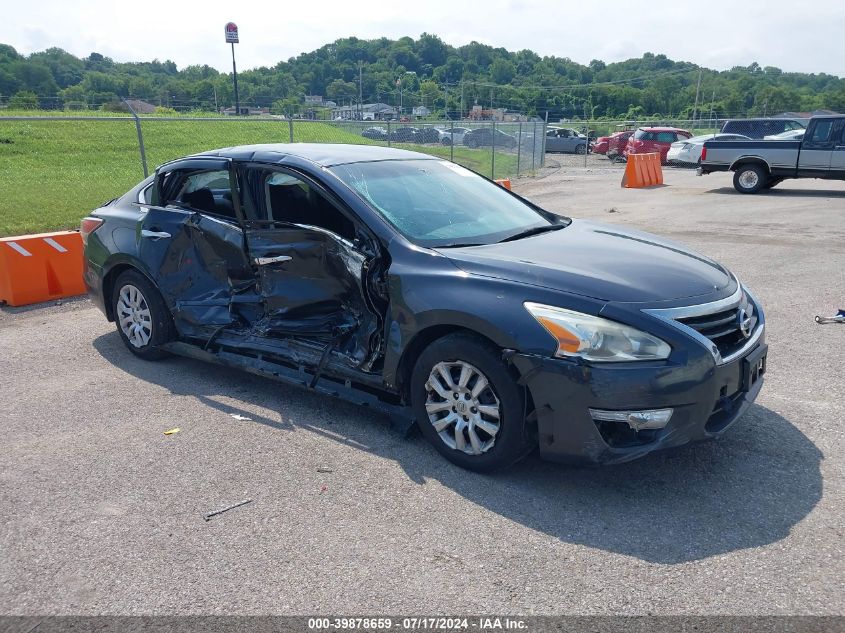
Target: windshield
[438, 203]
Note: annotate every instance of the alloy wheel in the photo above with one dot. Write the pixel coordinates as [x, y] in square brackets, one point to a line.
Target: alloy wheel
[133, 315]
[462, 407]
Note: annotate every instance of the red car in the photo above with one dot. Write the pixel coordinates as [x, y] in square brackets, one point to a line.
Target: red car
[600, 146]
[651, 140]
[617, 142]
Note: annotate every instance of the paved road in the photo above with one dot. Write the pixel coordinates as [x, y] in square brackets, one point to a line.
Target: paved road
[100, 512]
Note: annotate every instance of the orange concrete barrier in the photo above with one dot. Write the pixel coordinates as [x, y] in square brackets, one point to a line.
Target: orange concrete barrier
[505, 182]
[642, 170]
[42, 267]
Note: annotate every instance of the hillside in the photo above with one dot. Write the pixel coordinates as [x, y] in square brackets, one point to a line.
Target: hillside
[431, 73]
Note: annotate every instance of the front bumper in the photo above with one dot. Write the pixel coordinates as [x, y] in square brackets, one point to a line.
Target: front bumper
[706, 398]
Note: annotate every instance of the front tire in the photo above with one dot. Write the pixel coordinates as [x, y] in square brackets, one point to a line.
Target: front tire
[750, 178]
[581, 149]
[141, 316]
[468, 405]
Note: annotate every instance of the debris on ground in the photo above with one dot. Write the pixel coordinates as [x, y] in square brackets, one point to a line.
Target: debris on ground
[172, 431]
[839, 318]
[209, 515]
[325, 469]
[240, 418]
[323, 489]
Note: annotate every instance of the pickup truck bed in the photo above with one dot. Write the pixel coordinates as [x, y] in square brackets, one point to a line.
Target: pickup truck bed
[759, 165]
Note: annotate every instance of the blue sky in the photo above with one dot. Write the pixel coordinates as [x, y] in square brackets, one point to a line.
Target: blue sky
[715, 34]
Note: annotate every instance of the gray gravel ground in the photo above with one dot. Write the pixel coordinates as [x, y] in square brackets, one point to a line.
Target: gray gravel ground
[102, 513]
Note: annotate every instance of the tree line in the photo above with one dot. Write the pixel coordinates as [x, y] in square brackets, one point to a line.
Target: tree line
[424, 71]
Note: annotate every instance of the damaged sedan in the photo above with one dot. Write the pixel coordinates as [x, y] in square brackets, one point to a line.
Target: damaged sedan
[412, 285]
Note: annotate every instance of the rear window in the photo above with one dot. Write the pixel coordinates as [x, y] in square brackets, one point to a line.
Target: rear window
[666, 137]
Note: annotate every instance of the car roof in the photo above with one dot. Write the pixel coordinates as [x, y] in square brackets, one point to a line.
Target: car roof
[324, 154]
[664, 129]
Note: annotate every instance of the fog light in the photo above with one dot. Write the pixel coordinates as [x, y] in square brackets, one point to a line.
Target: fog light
[637, 420]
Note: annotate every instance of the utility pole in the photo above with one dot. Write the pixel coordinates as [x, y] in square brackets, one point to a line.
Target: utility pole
[462, 98]
[360, 92]
[232, 38]
[697, 89]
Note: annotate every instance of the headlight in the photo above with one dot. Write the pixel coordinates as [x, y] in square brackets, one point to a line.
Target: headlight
[596, 339]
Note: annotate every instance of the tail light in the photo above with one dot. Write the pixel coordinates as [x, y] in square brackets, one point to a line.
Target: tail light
[704, 153]
[88, 226]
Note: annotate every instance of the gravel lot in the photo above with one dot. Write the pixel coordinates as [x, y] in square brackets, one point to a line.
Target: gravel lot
[100, 512]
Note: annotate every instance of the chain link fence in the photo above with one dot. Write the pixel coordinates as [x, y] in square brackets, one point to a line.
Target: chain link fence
[55, 169]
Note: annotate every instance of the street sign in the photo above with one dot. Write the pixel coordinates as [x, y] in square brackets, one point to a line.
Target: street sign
[231, 33]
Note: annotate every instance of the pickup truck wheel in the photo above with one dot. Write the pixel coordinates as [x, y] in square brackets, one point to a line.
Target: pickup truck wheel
[750, 178]
[141, 316]
[468, 405]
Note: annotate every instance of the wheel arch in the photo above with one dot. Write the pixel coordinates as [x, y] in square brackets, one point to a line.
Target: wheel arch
[750, 160]
[114, 271]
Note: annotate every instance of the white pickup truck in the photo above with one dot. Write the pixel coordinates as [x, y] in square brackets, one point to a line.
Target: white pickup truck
[759, 165]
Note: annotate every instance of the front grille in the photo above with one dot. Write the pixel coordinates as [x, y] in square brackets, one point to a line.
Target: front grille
[724, 328]
[727, 327]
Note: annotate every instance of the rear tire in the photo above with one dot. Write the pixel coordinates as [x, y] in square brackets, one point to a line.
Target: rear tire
[483, 428]
[143, 321]
[750, 178]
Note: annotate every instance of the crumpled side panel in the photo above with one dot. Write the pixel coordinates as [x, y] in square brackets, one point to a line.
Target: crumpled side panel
[317, 293]
[202, 270]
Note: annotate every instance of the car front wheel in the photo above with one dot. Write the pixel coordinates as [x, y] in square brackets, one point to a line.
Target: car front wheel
[468, 405]
[581, 149]
[142, 318]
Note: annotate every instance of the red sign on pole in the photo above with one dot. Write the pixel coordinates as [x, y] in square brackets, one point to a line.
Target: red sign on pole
[231, 33]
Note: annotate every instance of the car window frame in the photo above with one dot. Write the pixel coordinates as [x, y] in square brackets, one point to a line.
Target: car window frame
[196, 164]
[359, 226]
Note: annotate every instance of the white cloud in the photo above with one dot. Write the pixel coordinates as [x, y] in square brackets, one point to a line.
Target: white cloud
[717, 34]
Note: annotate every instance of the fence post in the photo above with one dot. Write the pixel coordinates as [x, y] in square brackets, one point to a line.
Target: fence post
[140, 138]
[518, 148]
[290, 126]
[587, 145]
[534, 151]
[388, 133]
[493, 151]
[543, 148]
[452, 143]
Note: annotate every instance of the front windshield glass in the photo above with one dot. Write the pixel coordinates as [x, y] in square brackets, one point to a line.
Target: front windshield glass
[438, 203]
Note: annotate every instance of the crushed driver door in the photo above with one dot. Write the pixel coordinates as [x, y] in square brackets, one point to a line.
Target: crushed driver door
[312, 273]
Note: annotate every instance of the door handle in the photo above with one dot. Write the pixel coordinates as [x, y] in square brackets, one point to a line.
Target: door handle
[263, 261]
[154, 234]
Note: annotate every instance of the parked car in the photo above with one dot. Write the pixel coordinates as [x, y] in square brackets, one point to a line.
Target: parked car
[404, 134]
[450, 135]
[375, 133]
[688, 151]
[761, 164]
[653, 140]
[427, 135]
[413, 285]
[565, 140]
[790, 135]
[601, 145]
[617, 143]
[760, 128]
[483, 137]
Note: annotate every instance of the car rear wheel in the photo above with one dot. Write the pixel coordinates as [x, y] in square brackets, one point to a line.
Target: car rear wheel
[143, 320]
[468, 405]
[750, 178]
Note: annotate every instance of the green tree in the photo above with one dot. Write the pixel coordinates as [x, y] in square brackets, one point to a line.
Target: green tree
[24, 100]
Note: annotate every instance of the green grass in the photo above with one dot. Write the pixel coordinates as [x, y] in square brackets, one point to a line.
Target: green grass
[52, 173]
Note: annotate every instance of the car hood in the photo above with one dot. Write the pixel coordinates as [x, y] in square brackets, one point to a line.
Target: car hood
[601, 261]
